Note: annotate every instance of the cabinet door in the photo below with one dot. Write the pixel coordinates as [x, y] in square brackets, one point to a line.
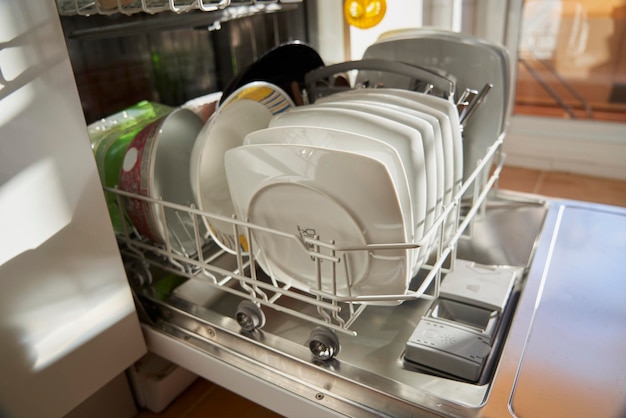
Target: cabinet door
[67, 318]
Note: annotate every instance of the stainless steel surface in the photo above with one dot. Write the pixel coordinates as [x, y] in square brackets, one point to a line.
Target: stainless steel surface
[578, 329]
[564, 352]
[368, 374]
[249, 379]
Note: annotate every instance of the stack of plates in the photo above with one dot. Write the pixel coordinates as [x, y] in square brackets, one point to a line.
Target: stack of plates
[471, 62]
[357, 168]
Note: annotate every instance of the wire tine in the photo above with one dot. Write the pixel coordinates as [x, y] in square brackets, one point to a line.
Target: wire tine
[442, 237]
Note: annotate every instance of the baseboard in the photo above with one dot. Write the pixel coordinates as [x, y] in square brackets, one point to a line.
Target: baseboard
[589, 148]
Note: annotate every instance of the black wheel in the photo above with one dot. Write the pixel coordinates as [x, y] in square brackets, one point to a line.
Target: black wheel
[323, 343]
[138, 272]
[250, 316]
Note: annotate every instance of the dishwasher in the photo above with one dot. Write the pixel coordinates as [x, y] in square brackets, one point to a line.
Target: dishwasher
[516, 309]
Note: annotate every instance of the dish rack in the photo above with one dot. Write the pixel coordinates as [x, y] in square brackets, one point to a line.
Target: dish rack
[130, 7]
[334, 313]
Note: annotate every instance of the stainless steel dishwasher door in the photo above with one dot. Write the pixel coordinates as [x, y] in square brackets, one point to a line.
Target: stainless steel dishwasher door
[565, 352]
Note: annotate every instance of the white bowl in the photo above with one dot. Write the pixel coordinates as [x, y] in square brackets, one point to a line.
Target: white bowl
[269, 95]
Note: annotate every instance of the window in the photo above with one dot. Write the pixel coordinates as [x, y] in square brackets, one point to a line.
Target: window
[572, 60]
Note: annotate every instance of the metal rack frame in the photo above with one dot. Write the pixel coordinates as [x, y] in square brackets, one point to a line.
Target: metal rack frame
[130, 7]
[334, 312]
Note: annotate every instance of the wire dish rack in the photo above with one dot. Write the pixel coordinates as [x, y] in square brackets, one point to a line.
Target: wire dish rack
[130, 7]
[334, 313]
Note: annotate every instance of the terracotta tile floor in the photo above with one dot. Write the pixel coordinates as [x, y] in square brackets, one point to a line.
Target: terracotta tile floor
[204, 398]
[564, 185]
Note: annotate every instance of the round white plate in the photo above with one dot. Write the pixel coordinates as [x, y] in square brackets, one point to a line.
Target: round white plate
[247, 109]
[312, 192]
[345, 141]
[405, 140]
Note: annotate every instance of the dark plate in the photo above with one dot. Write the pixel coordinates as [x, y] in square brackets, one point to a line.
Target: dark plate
[282, 66]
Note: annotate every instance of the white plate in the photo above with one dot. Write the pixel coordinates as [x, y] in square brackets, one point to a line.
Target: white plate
[406, 141]
[448, 116]
[425, 124]
[345, 141]
[402, 138]
[453, 141]
[472, 64]
[501, 52]
[451, 147]
[433, 156]
[156, 165]
[247, 109]
[312, 191]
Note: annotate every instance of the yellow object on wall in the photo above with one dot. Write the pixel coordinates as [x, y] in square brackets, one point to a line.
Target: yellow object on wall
[364, 14]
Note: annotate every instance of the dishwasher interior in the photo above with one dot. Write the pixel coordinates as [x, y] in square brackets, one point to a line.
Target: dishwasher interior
[435, 347]
[437, 350]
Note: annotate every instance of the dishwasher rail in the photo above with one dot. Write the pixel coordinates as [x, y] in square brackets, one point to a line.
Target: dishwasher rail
[233, 8]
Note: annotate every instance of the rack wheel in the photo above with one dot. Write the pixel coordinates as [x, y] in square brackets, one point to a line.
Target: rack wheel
[249, 316]
[324, 343]
[138, 272]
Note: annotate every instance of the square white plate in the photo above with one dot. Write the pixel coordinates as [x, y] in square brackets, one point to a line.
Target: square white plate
[405, 140]
[315, 192]
[345, 141]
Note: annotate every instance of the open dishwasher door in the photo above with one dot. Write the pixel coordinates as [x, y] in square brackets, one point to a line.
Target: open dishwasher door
[564, 353]
[68, 323]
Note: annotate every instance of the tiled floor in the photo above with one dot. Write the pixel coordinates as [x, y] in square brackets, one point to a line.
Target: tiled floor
[564, 185]
[204, 399]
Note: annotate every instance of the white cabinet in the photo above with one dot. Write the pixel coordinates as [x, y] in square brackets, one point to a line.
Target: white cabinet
[68, 324]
